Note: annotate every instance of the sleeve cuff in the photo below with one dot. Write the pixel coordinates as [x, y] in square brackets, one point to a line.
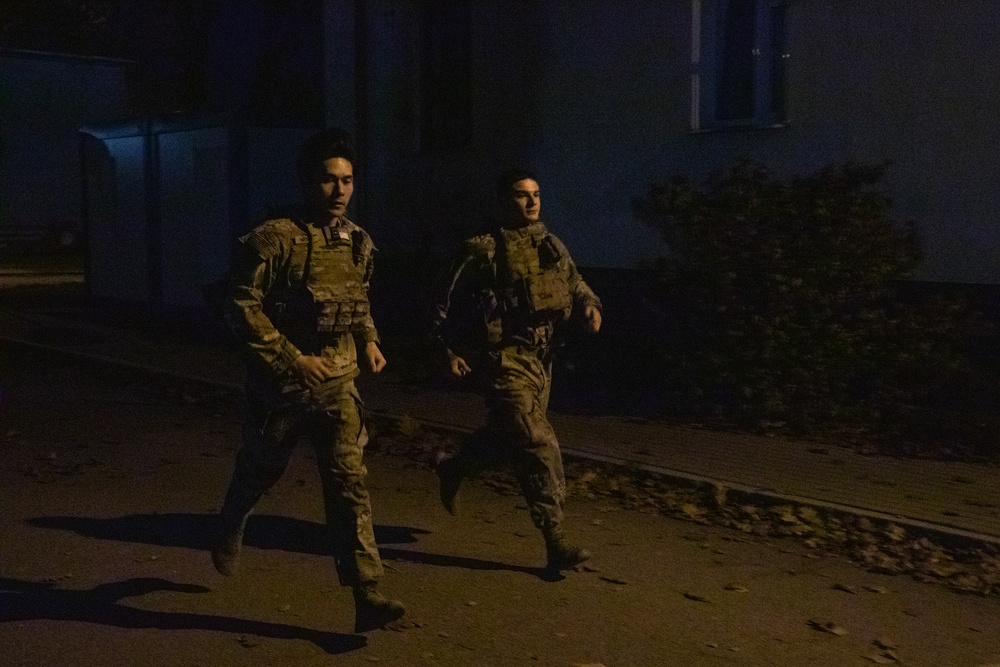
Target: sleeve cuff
[370, 336]
[287, 354]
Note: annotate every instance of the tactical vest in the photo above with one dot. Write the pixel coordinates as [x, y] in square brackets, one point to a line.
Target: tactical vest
[532, 280]
[325, 294]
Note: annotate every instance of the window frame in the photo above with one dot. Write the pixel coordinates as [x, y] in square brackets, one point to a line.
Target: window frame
[768, 66]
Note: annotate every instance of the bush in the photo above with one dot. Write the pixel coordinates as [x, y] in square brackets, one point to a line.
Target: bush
[785, 302]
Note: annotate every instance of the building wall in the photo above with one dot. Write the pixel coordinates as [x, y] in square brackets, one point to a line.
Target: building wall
[916, 85]
[596, 97]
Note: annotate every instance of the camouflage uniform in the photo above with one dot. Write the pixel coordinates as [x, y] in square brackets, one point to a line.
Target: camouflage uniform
[506, 294]
[299, 288]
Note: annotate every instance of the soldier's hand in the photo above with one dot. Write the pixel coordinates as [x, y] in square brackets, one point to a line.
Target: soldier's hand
[311, 370]
[457, 365]
[375, 359]
[593, 318]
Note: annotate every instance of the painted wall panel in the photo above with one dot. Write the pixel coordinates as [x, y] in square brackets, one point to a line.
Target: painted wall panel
[118, 236]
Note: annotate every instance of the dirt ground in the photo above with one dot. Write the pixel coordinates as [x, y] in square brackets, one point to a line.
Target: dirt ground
[109, 482]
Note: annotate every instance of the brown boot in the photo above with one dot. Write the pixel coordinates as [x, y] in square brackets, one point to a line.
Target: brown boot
[226, 553]
[561, 555]
[450, 478]
[372, 610]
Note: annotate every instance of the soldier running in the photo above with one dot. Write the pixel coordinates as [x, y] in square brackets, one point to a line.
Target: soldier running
[297, 301]
[505, 297]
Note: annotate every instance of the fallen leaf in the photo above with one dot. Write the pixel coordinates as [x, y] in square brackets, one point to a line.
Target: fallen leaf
[692, 511]
[885, 643]
[876, 589]
[612, 580]
[719, 493]
[402, 625]
[878, 659]
[786, 514]
[895, 533]
[853, 590]
[827, 626]
[695, 597]
[736, 587]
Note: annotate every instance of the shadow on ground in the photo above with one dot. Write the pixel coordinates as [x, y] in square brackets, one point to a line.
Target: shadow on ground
[28, 601]
[197, 531]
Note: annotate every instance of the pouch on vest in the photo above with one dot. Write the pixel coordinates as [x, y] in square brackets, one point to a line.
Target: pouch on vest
[546, 292]
[342, 316]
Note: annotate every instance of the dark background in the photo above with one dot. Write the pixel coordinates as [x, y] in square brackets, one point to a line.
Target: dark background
[262, 59]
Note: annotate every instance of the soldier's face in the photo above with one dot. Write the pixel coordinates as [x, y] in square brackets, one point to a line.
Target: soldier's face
[525, 202]
[332, 187]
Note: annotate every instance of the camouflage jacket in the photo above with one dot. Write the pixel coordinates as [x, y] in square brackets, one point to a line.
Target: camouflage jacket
[288, 281]
[509, 287]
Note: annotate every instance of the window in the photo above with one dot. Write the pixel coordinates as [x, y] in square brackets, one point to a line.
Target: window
[445, 76]
[738, 61]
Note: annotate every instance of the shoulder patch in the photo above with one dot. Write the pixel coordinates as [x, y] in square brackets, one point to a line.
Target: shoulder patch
[358, 233]
[271, 236]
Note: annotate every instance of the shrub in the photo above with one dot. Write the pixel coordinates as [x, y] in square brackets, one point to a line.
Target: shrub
[785, 302]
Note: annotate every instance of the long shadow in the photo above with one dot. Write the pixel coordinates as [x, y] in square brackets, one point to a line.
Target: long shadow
[442, 560]
[28, 601]
[198, 531]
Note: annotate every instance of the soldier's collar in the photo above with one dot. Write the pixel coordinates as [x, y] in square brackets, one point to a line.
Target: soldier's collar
[531, 229]
[341, 221]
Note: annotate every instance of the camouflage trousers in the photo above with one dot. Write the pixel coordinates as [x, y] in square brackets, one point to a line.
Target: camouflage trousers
[517, 431]
[329, 417]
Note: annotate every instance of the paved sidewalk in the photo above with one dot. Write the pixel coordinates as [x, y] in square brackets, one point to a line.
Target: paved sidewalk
[946, 497]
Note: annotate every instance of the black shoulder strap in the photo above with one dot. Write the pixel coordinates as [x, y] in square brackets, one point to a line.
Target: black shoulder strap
[304, 226]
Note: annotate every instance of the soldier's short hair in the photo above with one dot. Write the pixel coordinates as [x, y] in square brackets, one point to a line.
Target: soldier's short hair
[509, 177]
[320, 147]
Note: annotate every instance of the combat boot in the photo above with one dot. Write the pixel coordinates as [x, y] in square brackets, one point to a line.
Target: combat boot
[372, 610]
[226, 554]
[450, 477]
[562, 555]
